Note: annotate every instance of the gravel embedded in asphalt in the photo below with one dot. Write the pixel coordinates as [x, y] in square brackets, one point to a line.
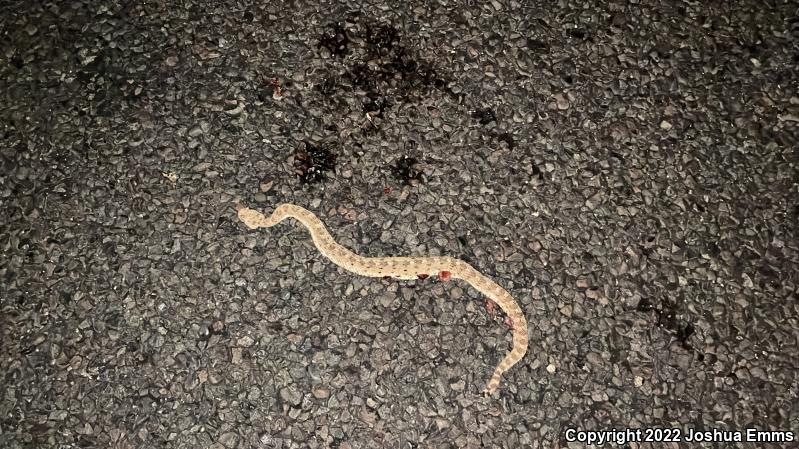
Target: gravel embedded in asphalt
[628, 171]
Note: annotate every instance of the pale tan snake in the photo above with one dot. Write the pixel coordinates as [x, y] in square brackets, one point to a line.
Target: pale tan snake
[405, 268]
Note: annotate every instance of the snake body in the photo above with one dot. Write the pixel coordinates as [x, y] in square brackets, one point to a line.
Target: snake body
[404, 268]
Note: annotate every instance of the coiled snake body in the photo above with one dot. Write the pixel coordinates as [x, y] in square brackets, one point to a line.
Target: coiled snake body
[404, 268]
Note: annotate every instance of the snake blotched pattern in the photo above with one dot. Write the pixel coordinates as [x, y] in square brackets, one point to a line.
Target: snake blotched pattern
[404, 268]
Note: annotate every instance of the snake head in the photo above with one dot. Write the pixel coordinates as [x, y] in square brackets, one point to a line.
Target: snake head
[251, 218]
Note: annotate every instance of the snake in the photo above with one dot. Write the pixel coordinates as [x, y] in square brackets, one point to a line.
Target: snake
[405, 268]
